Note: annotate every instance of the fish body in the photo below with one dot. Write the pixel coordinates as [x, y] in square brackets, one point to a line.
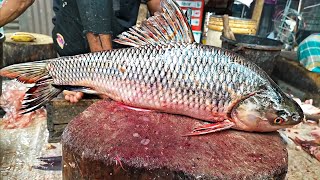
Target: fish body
[191, 79]
[168, 72]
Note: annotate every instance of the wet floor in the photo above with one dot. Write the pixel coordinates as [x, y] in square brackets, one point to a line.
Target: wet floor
[20, 148]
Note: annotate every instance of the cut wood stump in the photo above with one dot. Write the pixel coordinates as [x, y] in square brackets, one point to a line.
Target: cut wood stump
[18, 52]
[60, 112]
[107, 141]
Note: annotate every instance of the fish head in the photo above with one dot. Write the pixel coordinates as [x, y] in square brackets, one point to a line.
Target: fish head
[266, 112]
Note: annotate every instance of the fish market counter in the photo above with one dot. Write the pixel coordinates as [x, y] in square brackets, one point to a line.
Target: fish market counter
[108, 141]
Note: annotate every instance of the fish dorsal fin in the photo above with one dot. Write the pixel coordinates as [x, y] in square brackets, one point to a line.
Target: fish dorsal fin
[169, 25]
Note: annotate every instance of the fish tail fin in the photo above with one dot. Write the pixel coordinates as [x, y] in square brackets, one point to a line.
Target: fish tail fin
[35, 73]
[168, 25]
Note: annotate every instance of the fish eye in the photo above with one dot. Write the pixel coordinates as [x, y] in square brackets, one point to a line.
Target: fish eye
[278, 120]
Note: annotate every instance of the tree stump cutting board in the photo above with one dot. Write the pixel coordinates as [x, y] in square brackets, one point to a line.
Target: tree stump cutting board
[107, 141]
[18, 52]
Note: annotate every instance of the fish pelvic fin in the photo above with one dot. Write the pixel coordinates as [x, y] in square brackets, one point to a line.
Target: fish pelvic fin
[211, 128]
[169, 25]
[35, 73]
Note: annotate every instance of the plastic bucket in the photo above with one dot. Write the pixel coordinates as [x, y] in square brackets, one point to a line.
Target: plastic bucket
[261, 51]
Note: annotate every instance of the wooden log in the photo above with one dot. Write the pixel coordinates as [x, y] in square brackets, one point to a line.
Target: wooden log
[227, 32]
[18, 52]
[110, 142]
[257, 11]
[60, 112]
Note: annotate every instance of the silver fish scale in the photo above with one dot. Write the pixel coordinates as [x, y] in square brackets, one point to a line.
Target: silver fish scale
[189, 79]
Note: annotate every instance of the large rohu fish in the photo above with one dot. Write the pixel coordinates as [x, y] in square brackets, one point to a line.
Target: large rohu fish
[167, 71]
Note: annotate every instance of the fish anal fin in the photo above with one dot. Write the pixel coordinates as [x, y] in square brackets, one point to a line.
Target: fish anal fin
[84, 89]
[211, 128]
[38, 95]
[36, 75]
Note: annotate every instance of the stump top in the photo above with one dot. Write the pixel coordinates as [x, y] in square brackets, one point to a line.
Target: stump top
[153, 141]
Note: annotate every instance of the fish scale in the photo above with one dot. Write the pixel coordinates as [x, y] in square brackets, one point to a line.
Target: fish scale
[154, 77]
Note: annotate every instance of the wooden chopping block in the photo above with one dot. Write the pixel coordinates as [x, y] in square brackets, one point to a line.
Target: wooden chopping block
[60, 112]
[108, 141]
[18, 52]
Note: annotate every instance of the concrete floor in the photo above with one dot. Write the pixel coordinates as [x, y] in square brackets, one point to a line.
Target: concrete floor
[301, 164]
[20, 149]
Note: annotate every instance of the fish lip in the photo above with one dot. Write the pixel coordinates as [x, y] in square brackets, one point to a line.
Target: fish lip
[299, 112]
[292, 122]
[297, 116]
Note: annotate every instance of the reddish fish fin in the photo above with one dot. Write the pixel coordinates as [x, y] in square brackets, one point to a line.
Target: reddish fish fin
[38, 95]
[211, 128]
[168, 25]
[26, 72]
[133, 108]
[35, 73]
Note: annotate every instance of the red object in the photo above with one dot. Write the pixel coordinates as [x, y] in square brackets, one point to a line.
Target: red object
[197, 7]
[108, 141]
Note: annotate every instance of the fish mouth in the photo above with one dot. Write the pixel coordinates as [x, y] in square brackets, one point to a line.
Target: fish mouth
[298, 116]
[291, 122]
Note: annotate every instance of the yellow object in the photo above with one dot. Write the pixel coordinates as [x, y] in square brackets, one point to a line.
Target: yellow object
[22, 37]
[237, 25]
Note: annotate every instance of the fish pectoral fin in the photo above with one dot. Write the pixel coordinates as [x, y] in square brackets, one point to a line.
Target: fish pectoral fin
[83, 89]
[134, 108]
[210, 128]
